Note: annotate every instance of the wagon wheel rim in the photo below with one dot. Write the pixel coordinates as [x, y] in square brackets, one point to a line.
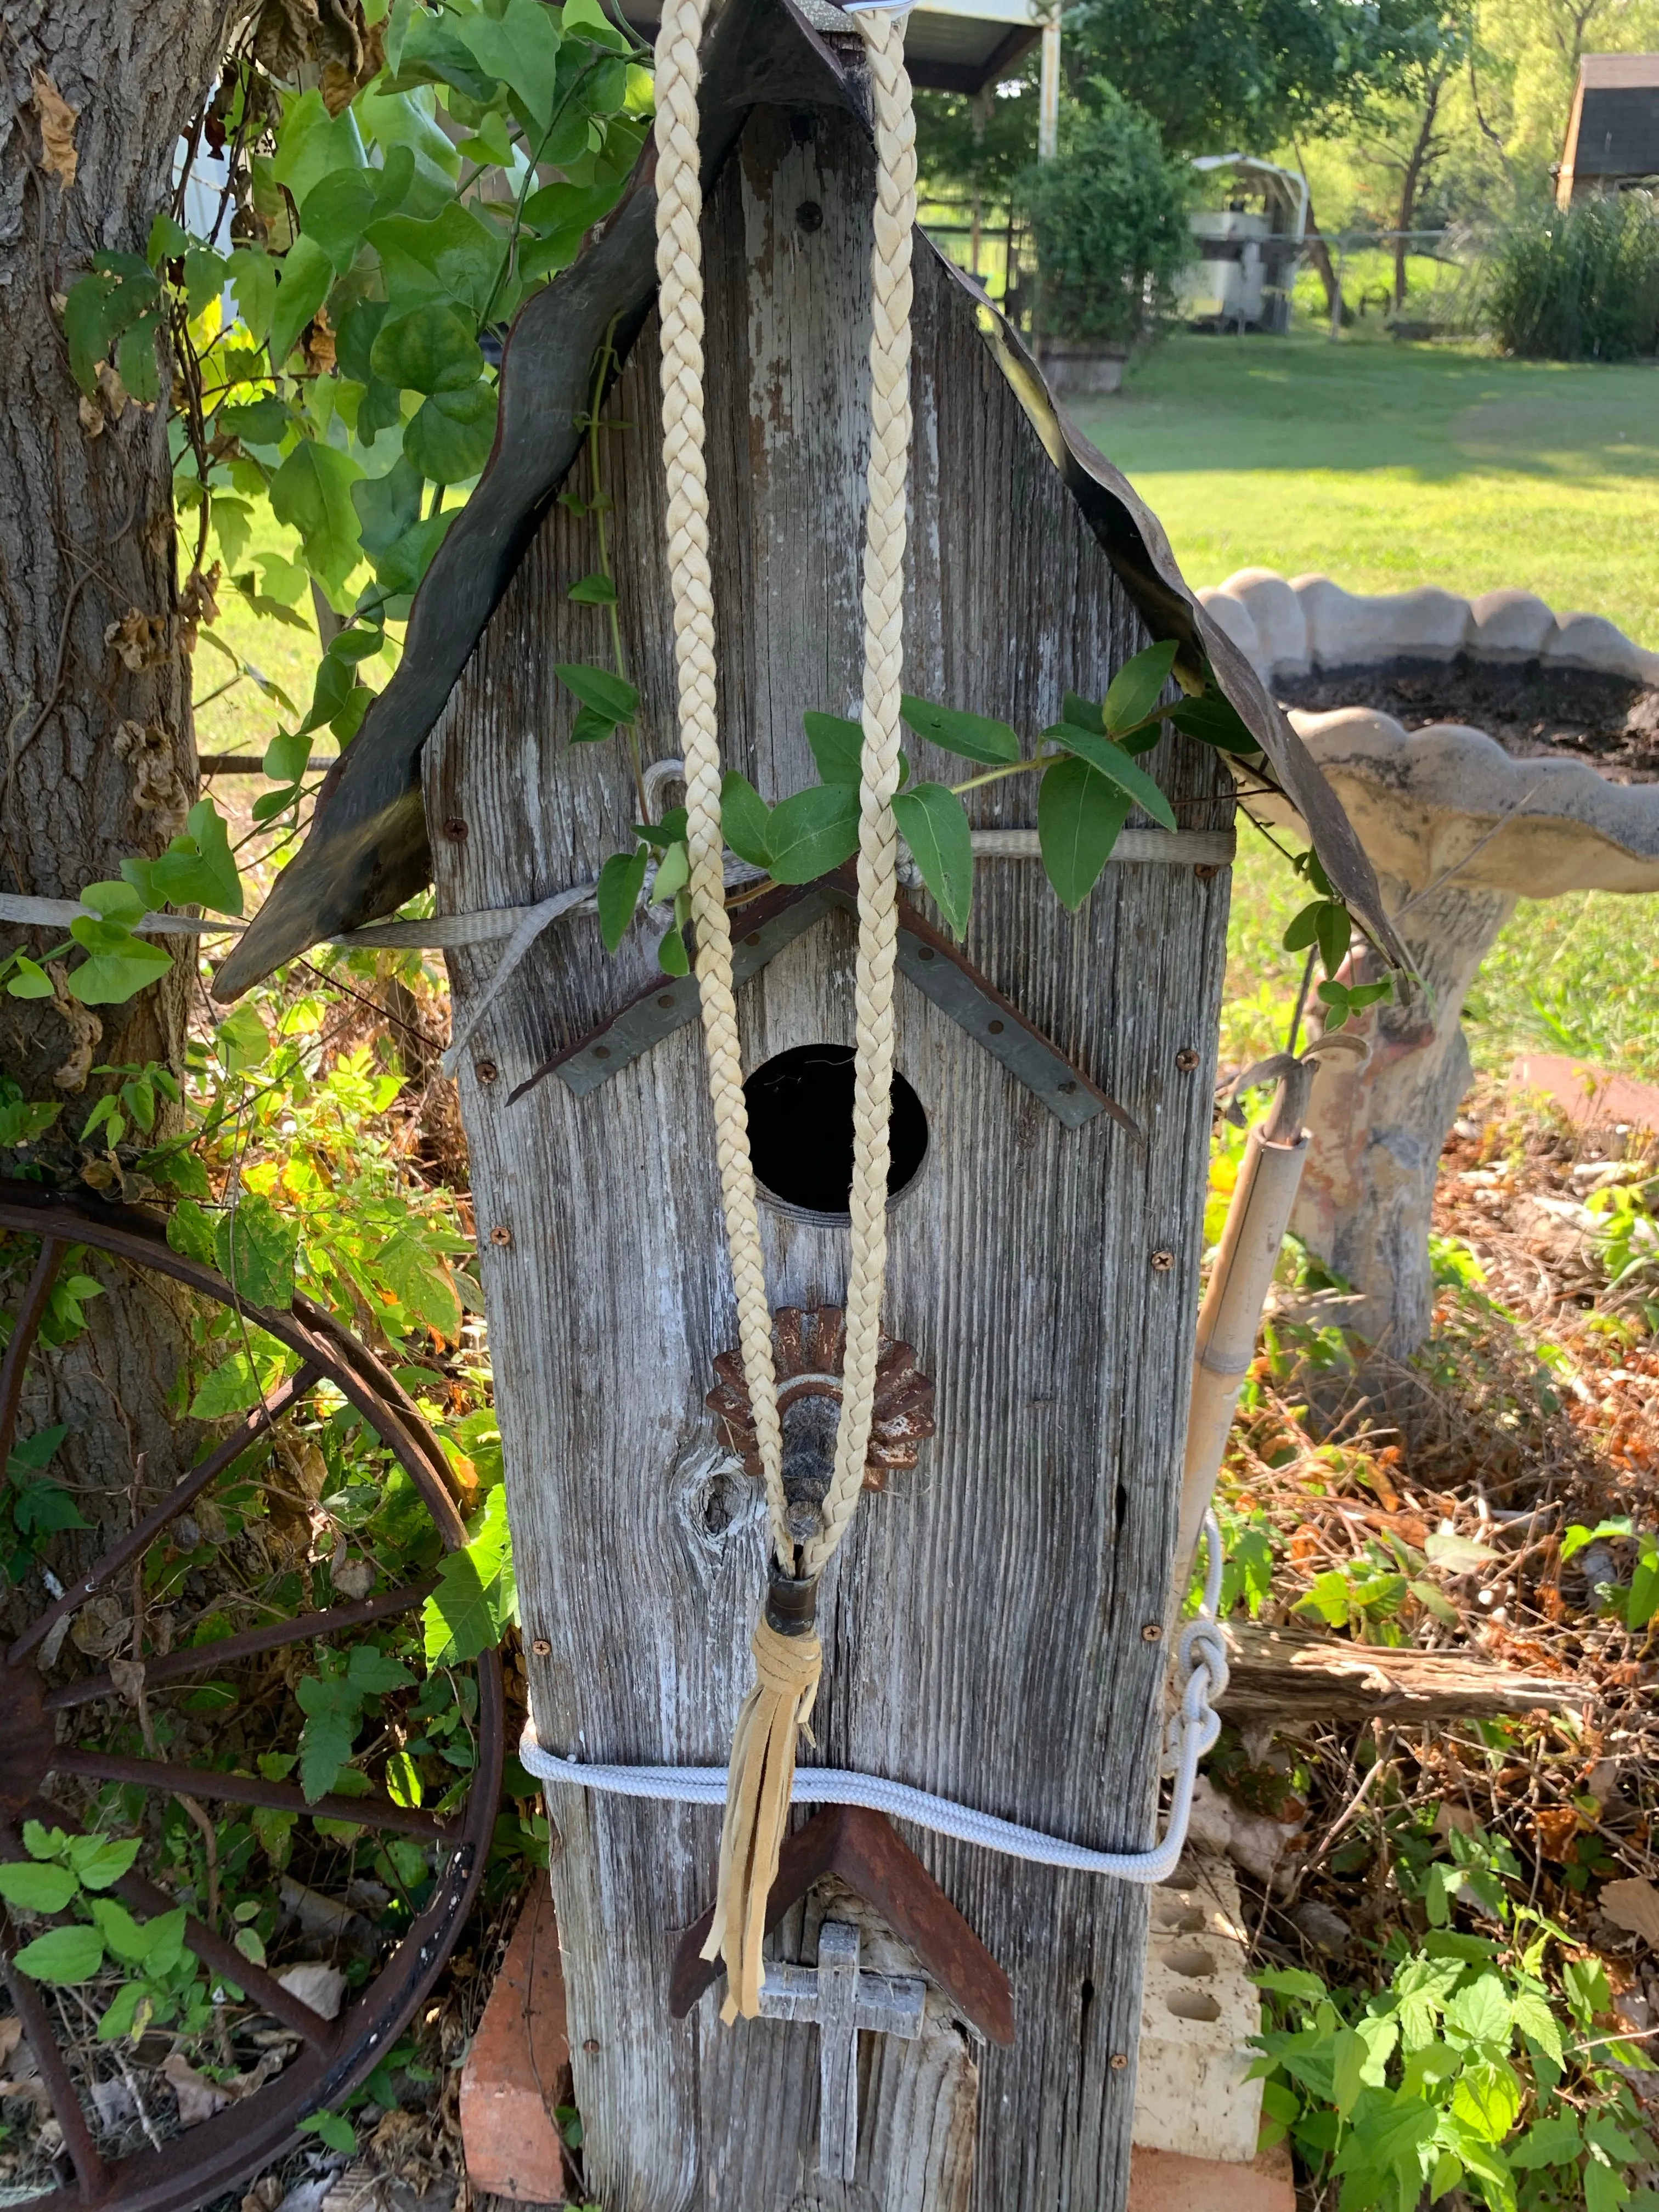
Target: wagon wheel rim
[335, 2056]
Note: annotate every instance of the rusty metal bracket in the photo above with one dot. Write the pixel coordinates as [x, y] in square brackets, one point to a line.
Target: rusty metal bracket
[926, 956]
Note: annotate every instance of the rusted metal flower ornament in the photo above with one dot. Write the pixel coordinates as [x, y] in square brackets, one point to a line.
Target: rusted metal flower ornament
[807, 1347]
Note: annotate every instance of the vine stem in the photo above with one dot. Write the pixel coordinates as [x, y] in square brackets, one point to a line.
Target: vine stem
[598, 505]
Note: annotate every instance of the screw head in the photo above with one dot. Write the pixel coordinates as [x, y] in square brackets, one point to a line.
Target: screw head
[1186, 1060]
[591, 2045]
[601, 1052]
[1204, 870]
[1162, 1262]
[455, 828]
[995, 1028]
[809, 215]
[486, 1071]
[542, 1647]
[501, 1234]
[1119, 2060]
[1152, 1633]
[665, 999]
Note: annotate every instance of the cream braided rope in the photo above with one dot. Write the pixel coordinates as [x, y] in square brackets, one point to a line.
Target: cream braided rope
[679, 272]
[787, 1656]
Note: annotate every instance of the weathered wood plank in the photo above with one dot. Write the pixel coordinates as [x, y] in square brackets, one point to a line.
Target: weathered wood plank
[1296, 1677]
[982, 1622]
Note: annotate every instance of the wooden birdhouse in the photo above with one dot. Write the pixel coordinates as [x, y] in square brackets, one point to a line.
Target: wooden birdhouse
[993, 1624]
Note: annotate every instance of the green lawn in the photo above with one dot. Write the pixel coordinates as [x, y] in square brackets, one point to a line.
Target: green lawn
[1390, 466]
[1387, 466]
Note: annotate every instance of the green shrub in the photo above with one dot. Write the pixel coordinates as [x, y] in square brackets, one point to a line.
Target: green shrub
[1109, 214]
[1582, 284]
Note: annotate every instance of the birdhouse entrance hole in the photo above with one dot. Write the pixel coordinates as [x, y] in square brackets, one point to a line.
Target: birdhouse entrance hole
[800, 1130]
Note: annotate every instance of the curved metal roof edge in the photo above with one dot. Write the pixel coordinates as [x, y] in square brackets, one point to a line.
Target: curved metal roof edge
[367, 850]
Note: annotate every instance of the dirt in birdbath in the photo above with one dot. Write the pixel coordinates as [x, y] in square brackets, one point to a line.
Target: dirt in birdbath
[1532, 711]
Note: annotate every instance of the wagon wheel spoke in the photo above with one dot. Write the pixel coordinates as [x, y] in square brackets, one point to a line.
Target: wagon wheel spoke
[122, 1554]
[96, 1766]
[200, 1657]
[90, 2169]
[223, 1957]
[21, 1343]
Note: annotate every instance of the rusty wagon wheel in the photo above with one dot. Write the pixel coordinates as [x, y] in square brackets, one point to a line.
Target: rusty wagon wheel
[334, 2057]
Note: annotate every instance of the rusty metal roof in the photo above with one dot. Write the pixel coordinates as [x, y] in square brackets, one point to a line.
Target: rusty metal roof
[366, 851]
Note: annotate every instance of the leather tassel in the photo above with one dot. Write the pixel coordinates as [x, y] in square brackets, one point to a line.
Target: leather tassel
[789, 1660]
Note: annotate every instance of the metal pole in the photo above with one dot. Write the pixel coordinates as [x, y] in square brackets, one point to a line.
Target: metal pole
[1048, 108]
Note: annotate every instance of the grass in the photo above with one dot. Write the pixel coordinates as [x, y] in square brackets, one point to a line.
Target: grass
[1389, 465]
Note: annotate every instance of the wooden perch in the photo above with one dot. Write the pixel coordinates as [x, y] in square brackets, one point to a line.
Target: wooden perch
[1291, 1674]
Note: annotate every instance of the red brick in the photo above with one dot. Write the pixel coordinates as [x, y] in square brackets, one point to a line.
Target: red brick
[1165, 2181]
[516, 2071]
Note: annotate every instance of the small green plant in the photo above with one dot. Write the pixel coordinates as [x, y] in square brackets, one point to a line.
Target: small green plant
[1636, 1603]
[71, 1875]
[1465, 2069]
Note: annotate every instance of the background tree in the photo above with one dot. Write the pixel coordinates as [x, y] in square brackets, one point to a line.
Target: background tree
[978, 144]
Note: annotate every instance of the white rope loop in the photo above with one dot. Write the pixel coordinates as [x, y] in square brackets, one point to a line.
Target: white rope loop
[1201, 1671]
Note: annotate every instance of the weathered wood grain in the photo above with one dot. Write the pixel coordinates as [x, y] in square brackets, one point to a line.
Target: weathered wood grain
[1296, 1677]
[982, 1624]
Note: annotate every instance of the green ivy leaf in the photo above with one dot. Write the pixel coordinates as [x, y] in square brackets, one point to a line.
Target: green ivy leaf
[1112, 762]
[388, 505]
[62, 1955]
[433, 52]
[1079, 814]
[134, 360]
[311, 142]
[452, 257]
[1553, 2142]
[312, 493]
[120, 965]
[332, 2128]
[308, 273]
[403, 566]
[242, 1041]
[934, 823]
[449, 437]
[431, 349]
[192, 1230]
[257, 1247]
[1486, 2098]
[354, 341]
[973, 736]
[617, 895]
[596, 591]
[476, 1597]
[521, 48]
[402, 1781]
[1132, 692]
[238, 1383]
[325, 1742]
[837, 747]
[672, 955]
[611, 697]
[253, 279]
[812, 831]
[745, 817]
[336, 212]
[35, 1888]
[121, 1933]
[1214, 720]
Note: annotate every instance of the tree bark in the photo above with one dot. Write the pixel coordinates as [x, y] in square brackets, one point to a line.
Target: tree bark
[1420, 161]
[97, 756]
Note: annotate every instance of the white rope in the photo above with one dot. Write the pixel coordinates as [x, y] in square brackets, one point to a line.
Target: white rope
[1201, 1670]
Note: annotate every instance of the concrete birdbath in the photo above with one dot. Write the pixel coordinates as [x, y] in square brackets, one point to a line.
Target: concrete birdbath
[1460, 827]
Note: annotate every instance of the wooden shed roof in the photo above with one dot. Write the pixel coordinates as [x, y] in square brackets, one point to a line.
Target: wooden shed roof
[1613, 131]
[367, 850]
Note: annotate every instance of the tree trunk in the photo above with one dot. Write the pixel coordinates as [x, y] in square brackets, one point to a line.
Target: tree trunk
[99, 755]
[1320, 254]
[1416, 167]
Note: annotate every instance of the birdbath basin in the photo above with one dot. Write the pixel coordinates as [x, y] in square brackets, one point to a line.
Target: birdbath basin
[1486, 751]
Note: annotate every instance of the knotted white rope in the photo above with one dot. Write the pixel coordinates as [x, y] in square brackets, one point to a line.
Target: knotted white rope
[788, 1658]
[1201, 1677]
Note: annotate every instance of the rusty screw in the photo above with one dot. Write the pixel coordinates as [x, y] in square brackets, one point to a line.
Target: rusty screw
[1204, 870]
[591, 2045]
[486, 1071]
[1151, 1634]
[455, 828]
[1162, 1262]
[1119, 2059]
[1186, 1060]
[542, 1647]
[501, 1234]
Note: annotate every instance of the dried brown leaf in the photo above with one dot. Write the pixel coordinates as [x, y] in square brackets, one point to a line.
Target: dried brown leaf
[1633, 1904]
[57, 121]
